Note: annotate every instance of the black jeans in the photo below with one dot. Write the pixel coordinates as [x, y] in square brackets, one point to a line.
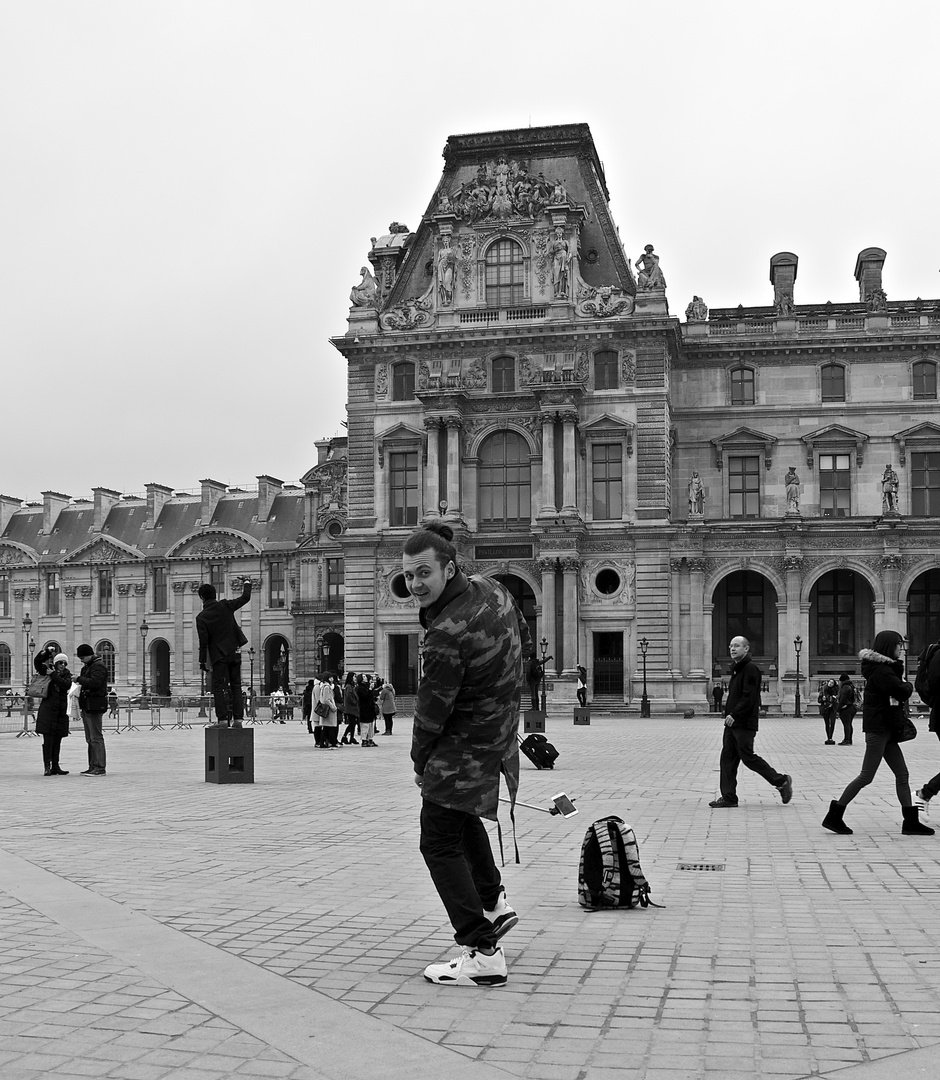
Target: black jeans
[932, 787]
[737, 748]
[50, 749]
[880, 746]
[227, 689]
[847, 715]
[456, 849]
[829, 719]
[94, 736]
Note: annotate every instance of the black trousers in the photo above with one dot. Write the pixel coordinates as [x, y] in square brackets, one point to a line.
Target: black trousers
[456, 849]
[737, 748]
[847, 715]
[227, 689]
[932, 787]
[50, 749]
[880, 746]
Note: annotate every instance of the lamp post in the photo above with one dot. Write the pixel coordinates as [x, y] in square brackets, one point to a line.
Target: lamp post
[144, 631]
[251, 682]
[27, 627]
[645, 703]
[798, 645]
[543, 645]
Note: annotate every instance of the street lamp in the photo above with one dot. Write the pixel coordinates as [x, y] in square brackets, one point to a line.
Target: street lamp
[251, 681]
[798, 645]
[543, 645]
[144, 631]
[27, 626]
[645, 703]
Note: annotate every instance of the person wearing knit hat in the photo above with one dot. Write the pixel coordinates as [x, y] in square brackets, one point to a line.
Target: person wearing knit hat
[52, 718]
[846, 707]
[93, 702]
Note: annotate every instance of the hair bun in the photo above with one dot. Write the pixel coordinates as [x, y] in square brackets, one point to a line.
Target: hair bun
[442, 530]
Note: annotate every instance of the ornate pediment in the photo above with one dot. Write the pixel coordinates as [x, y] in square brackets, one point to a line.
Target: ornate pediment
[921, 437]
[607, 427]
[215, 545]
[744, 438]
[328, 479]
[101, 549]
[12, 554]
[834, 437]
[403, 436]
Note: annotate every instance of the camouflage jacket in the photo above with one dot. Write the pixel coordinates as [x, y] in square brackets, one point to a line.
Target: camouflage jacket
[467, 708]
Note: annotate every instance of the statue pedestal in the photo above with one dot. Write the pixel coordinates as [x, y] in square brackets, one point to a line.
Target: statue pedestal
[651, 302]
[230, 755]
[582, 716]
[362, 320]
[793, 515]
[533, 720]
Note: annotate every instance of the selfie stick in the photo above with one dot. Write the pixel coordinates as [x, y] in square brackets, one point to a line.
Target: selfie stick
[545, 809]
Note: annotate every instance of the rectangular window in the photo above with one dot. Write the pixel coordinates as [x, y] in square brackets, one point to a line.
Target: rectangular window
[605, 370]
[835, 480]
[277, 585]
[925, 485]
[607, 481]
[403, 382]
[159, 589]
[742, 386]
[53, 602]
[403, 488]
[217, 578]
[504, 375]
[746, 608]
[744, 487]
[105, 591]
[833, 382]
[835, 614]
[335, 582]
[925, 380]
[4, 594]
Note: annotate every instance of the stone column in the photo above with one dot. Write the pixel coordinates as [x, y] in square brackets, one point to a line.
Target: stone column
[570, 567]
[548, 464]
[453, 424]
[127, 637]
[678, 639]
[432, 471]
[698, 661]
[890, 573]
[793, 625]
[569, 463]
[547, 570]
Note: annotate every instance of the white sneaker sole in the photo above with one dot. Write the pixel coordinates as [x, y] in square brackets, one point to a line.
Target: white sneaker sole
[504, 924]
[494, 979]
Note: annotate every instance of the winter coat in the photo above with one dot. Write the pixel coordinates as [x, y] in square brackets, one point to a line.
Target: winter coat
[93, 679]
[466, 713]
[846, 699]
[350, 701]
[885, 690]
[323, 693]
[933, 683]
[306, 703]
[366, 704]
[827, 699]
[52, 716]
[220, 636]
[743, 702]
[387, 701]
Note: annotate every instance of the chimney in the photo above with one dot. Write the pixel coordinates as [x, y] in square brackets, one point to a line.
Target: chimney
[8, 506]
[212, 491]
[157, 496]
[105, 498]
[52, 503]
[268, 488]
[868, 271]
[782, 277]
[324, 446]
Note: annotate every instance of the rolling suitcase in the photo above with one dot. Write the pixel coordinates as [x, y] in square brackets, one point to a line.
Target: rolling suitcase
[539, 751]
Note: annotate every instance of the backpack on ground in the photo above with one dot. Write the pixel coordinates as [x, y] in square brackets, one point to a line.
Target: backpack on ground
[609, 874]
[920, 679]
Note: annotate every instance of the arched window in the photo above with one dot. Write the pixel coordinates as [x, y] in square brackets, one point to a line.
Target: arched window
[105, 649]
[742, 386]
[504, 274]
[505, 493]
[403, 381]
[923, 611]
[924, 374]
[504, 375]
[6, 665]
[832, 380]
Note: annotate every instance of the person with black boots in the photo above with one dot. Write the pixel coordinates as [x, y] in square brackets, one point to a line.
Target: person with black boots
[886, 691]
[846, 707]
[306, 705]
[351, 708]
[828, 709]
[932, 787]
[52, 717]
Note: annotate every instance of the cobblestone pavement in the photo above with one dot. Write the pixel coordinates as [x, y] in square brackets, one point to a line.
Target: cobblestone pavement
[153, 925]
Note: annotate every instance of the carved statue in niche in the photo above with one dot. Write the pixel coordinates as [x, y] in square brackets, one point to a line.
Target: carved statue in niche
[792, 482]
[446, 269]
[696, 496]
[560, 253]
[649, 274]
[889, 491]
[784, 306]
[559, 194]
[366, 292]
[502, 197]
[697, 311]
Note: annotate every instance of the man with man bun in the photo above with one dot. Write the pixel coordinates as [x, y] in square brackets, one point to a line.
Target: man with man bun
[465, 722]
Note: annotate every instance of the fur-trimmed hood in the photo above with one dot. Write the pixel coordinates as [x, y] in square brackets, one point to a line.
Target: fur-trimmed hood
[872, 657]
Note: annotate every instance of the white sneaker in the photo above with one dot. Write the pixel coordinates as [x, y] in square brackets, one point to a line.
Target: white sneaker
[503, 917]
[470, 968]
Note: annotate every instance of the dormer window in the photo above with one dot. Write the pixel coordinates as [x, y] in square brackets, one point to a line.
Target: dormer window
[505, 278]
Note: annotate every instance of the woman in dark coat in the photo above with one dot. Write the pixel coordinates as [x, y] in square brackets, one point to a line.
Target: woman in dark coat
[350, 709]
[52, 718]
[886, 690]
[828, 709]
[306, 705]
[367, 710]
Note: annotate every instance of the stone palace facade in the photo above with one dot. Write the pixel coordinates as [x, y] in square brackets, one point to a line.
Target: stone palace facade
[647, 486]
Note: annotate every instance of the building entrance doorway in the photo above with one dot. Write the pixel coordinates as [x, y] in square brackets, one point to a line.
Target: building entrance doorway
[608, 663]
[403, 662]
[160, 668]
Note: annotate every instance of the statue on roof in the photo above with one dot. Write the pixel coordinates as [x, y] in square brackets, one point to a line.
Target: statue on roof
[365, 294]
[650, 276]
[877, 300]
[784, 306]
[697, 311]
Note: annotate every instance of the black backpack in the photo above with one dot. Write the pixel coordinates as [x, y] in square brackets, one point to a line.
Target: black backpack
[920, 679]
[609, 874]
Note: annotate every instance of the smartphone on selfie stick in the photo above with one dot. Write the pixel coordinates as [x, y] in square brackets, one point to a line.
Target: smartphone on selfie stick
[561, 804]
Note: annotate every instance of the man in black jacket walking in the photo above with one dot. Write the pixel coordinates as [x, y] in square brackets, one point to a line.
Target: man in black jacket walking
[220, 638]
[742, 711]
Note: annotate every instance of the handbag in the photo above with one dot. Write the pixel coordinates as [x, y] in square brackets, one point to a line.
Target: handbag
[321, 709]
[38, 686]
[905, 730]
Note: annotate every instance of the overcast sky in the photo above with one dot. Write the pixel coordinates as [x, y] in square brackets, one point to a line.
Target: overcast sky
[188, 188]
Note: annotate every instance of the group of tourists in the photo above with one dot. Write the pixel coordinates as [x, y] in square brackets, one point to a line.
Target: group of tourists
[62, 697]
[838, 701]
[357, 701]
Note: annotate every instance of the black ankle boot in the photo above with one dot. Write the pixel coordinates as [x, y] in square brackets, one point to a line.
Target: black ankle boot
[56, 771]
[912, 825]
[833, 820]
[48, 771]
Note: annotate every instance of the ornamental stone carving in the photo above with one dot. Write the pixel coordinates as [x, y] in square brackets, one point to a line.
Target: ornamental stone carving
[624, 594]
[9, 557]
[179, 586]
[216, 546]
[500, 190]
[603, 302]
[124, 588]
[19, 594]
[140, 588]
[100, 552]
[85, 591]
[475, 379]
[890, 562]
[381, 381]
[649, 274]
[69, 591]
[365, 294]
[697, 566]
[409, 315]
[697, 311]
[675, 565]
[467, 246]
[446, 272]
[793, 562]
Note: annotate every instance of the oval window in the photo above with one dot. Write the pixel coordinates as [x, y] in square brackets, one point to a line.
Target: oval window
[607, 582]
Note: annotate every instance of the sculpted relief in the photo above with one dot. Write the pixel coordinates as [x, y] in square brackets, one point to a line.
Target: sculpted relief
[502, 189]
